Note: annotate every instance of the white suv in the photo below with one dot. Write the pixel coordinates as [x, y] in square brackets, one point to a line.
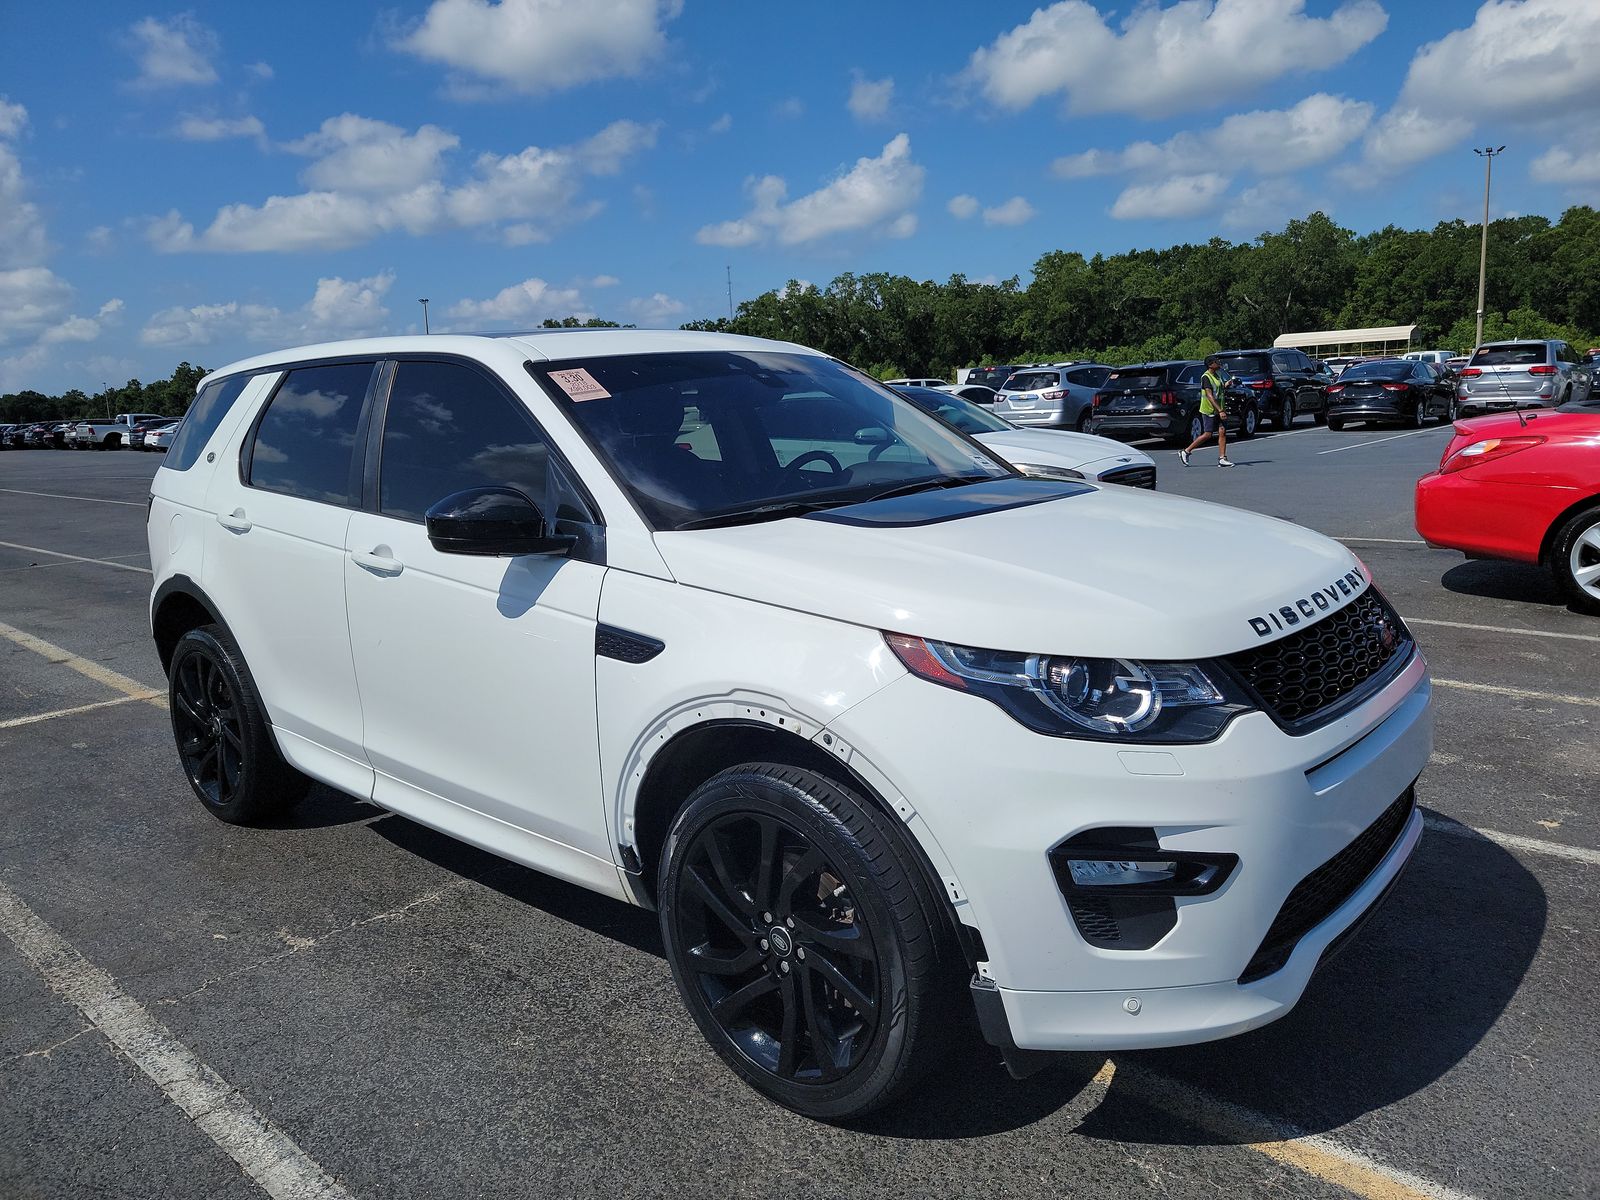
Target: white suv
[723, 627]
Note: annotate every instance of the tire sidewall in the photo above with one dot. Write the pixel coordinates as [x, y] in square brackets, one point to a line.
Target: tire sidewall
[749, 792]
[248, 801]
[1561, 560]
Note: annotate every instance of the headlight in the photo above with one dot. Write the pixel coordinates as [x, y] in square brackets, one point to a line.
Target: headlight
[1036, 471]
[1107, 699]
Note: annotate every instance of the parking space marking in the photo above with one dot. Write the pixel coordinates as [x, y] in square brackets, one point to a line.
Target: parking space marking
[1549, 633]
[47, 566]
[1496, 689]
[104, 562]
[14, 722]
[1315, 1154]
[1394, 437]
[1512, 841]
[88, 669]
[62, 496]
[265, 1153]
[1385, 541]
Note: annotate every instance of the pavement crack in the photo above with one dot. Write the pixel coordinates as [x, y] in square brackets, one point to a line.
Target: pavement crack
[47, 1051]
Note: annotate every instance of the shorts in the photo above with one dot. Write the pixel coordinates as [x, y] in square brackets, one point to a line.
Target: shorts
[1210, 422]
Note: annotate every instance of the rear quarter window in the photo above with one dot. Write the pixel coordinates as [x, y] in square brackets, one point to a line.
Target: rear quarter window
[304, 443]
[205, 414]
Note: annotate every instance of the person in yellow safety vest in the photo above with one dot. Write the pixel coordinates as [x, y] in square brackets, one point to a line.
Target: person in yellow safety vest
[1212, 416]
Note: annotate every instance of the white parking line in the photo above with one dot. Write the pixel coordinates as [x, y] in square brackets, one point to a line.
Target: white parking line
[14, 722]
[87, 668]
[1549, 633]
[62, 496]
[104, 562]
[1513, 841]
[1495, 689]
[51, 565]
[1377, 441]
[1385, 541]
[266, 1154]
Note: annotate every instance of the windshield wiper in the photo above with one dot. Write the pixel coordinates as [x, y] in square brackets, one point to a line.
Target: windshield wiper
[764, 512]
[921, 485]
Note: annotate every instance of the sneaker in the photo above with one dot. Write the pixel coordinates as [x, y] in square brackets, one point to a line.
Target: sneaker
[1183, 457]
[1223, 462]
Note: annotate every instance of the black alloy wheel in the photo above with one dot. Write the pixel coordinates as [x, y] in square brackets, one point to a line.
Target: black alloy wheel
[224, 740]
[802, 941]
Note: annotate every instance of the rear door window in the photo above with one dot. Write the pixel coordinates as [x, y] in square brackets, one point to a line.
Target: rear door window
[304, 443]
[205, 414]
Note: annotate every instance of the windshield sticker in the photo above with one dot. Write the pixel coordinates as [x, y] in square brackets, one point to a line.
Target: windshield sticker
[579, 384]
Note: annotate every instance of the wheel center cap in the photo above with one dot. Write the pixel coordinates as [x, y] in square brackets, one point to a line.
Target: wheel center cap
[782, 941]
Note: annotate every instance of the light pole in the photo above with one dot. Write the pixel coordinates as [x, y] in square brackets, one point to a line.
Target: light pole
[424, 302]
[1487, 154]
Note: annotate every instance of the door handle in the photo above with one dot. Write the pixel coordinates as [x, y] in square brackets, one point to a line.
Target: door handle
[235, 521]
[378, 560]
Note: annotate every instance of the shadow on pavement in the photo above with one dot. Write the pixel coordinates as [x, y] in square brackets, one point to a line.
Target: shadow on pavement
[1495, 580]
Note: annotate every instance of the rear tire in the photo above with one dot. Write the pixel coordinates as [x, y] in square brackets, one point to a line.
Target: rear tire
[1575, 560]
[1249, 422]
[1417, 416]
[1336, 423]
[1195, 428]
[224, 739]
[851, 996]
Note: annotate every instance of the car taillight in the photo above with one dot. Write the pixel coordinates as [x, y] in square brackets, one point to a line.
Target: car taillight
[1337, 387]
[1099, 399]
[1052, 396]
[1486, 451]
[1395, 387]
[1260, 385]
[1544, 369]
[1169, 397]
[1471, 372]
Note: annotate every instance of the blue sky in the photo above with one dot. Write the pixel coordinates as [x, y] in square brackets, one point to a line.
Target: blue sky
[207, 182]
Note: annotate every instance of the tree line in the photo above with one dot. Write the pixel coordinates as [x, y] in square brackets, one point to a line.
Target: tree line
[1179, 302]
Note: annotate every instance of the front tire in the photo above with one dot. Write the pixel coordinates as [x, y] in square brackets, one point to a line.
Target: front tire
[803, 941]
[1249, 422]
[1575, 560]
[224, 739]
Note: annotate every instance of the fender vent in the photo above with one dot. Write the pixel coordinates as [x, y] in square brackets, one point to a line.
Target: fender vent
[625, 645]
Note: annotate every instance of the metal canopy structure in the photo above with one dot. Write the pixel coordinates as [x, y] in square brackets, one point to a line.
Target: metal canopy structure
[1379, 339]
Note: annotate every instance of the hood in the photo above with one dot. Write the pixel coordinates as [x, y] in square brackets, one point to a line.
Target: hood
[1059, 448]
[1110, 572]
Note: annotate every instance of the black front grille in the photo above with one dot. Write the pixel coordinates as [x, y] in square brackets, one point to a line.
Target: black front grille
[1317, 672]
[1139, 477]
[1326, 888]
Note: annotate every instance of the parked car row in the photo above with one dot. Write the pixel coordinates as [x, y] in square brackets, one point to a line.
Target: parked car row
[132, 431]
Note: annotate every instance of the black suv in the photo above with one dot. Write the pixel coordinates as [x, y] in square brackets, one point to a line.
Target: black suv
[1162, 399]
[1283, 383]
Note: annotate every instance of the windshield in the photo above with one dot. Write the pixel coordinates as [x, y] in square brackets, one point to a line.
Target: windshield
[718, 437]
[1520, 355]
[1246, 364]
[1378, 370]
[1032, 381]
[954, 410]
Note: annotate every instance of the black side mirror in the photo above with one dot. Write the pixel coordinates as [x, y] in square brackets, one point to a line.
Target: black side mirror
[496, 521]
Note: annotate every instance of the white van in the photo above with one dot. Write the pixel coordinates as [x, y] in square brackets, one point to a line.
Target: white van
[725, 628]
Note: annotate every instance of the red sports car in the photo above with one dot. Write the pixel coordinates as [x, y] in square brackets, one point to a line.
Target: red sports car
[1525, 488]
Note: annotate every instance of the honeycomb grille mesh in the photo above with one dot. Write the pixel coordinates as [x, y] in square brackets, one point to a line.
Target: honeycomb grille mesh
[1305, 675]
[1139, 477]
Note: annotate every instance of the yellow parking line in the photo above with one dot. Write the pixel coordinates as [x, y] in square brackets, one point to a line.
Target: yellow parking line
[131, 688]
[149, 694]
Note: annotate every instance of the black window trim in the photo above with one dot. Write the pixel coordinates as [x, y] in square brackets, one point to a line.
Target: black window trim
[379, 413]
[247, 448]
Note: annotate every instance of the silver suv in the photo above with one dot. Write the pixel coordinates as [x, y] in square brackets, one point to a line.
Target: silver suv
[1520, 374]
[1060, 396]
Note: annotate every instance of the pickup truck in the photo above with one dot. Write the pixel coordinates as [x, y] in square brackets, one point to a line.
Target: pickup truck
[95, 433]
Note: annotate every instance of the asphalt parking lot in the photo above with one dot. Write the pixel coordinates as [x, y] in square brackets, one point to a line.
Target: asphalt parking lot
[396, 1014]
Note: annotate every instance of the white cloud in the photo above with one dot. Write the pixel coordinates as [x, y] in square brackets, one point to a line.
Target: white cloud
[1179, 196]
[358, 154]
[260, 70]
[1164, 60]
[374, 178]
[1267, 205]
[110, 308]
[537, 46]
[1015, 211]
[790, 108]
[338, 308]
[870, 98]
[876, 193]
[657, 309]
[216, 129]
[722, 124]
[1272, 141]
[1560, 165]
[32, 299]
[604, 281]
[174, 52]
[963, 206]
[527, 302]
[100, 239]
[22, 233]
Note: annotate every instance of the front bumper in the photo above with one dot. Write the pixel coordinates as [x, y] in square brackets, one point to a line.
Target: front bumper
[1284, 805]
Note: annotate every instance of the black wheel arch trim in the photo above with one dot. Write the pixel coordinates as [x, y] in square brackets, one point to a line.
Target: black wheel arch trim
[181, 585]
[1547, 544]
